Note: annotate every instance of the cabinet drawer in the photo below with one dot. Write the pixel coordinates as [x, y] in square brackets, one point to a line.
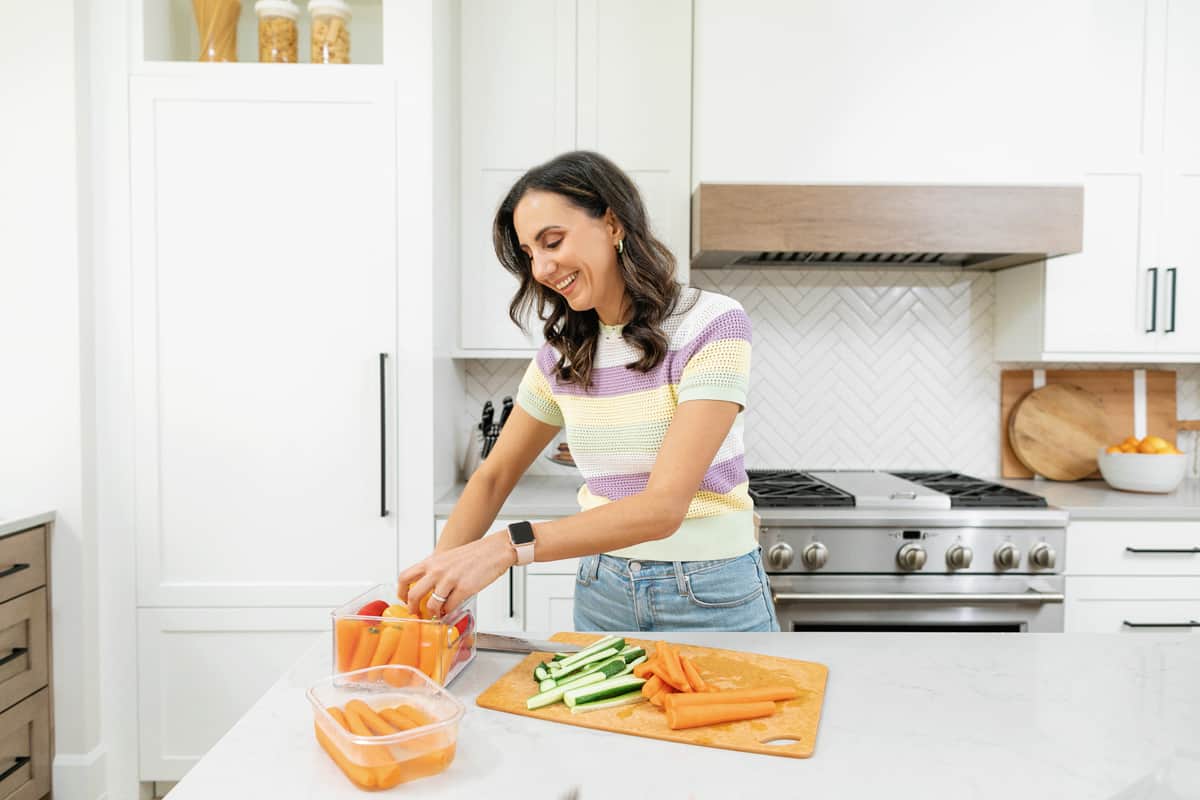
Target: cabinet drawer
[1133, 616]
[23, 652]
[25, 749]
[22, 562]
[1119, 547]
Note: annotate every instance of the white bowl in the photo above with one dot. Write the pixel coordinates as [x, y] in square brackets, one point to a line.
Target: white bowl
[1142, 472]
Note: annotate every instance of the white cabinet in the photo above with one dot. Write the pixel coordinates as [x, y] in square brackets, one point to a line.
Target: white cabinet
[543, 77]
[859, 91]
[500, 606]
[264, 293]
[1130, 294]
[550, 603]
[201, 669]
[1133, 576]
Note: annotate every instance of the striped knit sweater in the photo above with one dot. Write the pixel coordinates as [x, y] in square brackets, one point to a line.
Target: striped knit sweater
[616, 427]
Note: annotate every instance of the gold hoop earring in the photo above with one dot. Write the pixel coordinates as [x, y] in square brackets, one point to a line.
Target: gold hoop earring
[621, 247]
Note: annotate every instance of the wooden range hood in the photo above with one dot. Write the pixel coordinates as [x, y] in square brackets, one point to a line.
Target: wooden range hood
[882, 226]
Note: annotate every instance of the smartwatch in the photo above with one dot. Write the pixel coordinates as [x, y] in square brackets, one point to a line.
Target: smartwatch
[520, 534]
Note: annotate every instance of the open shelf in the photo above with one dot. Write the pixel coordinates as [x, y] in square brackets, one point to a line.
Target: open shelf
[169, 34]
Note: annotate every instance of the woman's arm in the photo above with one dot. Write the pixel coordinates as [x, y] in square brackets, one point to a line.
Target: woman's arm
[521, 440]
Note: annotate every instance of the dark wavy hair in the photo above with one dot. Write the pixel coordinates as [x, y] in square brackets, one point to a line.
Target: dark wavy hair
[592, 183]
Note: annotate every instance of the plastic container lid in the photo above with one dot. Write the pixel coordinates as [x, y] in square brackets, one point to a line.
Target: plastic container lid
[278, 8]
[339, 7]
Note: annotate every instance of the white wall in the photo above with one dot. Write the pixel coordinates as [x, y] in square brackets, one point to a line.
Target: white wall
[46, 359]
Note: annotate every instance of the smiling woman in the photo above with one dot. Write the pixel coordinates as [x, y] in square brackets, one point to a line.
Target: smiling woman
[649, 380]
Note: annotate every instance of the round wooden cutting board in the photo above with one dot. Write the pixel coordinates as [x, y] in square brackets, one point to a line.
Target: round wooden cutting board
[1056, 431]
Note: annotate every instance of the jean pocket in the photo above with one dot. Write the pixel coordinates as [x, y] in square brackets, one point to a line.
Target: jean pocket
[736, 583]
[587, 568]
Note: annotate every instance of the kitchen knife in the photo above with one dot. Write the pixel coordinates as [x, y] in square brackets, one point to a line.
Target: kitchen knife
[485, 425]
[505, 411]
[503, 643]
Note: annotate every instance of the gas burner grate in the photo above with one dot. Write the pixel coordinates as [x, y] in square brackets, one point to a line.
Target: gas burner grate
[782, 487]
[968, 492]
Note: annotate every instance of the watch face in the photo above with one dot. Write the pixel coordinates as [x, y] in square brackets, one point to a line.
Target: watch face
[520, 533]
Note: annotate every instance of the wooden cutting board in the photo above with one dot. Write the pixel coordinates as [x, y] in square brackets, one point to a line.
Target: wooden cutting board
[1057, 429]
[1115, 388]
[794, 721]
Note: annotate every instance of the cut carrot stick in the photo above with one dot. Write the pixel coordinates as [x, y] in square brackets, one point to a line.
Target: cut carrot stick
[337, 714]
[695, 716]
[692, 674]
[347, 631]
[355, 723]
[396, 719]
[430, 649]
[375, 723]
[644, 669]
[388, 640]
[652, 686]
[672, 672]
[658, 698]
[362, 777]
[368, 640]
[413, 713]
[760, 694]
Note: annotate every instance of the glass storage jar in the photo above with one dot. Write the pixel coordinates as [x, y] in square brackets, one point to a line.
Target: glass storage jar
[277, 31]
[330, 31]
[217, 21]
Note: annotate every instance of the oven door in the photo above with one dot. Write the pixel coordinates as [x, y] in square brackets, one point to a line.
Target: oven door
[967, 603]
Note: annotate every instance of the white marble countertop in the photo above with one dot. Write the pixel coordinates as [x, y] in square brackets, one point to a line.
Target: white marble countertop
[555, 497]
[979, 716]
[15, 520]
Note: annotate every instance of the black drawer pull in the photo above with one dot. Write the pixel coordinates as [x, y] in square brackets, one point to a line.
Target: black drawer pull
[1163, 549]
[1192, 624]
[20, 762]
[15, 568]
[17, 652]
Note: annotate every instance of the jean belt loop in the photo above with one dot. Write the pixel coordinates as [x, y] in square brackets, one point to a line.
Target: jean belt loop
[680, 578]
[596, 566]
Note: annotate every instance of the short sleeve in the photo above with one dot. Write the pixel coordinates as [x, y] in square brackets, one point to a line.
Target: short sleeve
[719, 365]
[535, 397]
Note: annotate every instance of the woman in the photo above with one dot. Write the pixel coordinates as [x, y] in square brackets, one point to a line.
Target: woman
[649, 379]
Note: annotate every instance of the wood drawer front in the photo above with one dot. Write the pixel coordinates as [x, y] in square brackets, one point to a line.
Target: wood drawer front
[23, 647]
[25, 749]
[1100, 548]
[22, 562]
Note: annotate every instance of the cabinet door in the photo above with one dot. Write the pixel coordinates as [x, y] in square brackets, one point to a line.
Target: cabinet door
[549, 603]
[200, 670]
[635, 104]
[518, 110]
[264, 292]
[499, 607]
[1133, 548]
[1181, 183]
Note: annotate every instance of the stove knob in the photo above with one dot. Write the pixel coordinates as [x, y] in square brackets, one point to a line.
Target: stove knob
[780, 555]
[1042, 556]
[815, 555]
[959, 557]
[1008, 556]
[911, 556]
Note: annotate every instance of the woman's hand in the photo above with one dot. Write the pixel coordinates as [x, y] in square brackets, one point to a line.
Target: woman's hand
[457, 573]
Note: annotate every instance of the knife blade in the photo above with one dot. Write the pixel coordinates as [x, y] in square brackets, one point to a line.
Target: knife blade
[503, 643]
[505, 411]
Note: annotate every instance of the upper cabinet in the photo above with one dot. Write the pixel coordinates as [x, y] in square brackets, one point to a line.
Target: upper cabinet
[542, 78]
[859, 91]
[1132, 294]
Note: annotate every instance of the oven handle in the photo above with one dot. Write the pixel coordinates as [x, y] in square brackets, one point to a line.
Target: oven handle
[1024, 597]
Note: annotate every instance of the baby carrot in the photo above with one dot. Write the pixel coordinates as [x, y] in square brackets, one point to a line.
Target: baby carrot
[377, 724]
[644, 669]
[756, 695]
[652, 686]
[337, 714]
[363, 777]
[396, 719]
[695, 716]
[692, 674]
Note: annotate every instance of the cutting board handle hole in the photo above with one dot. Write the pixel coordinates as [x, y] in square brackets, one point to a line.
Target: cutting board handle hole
[780, 741]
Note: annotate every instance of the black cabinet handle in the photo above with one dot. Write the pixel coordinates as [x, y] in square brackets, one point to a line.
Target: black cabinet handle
[20, 762]
[15, 568]
[1163, 549]
[17, 652]
[1192, 624]
[1171, 329]
[383, 509]
[1153, 300]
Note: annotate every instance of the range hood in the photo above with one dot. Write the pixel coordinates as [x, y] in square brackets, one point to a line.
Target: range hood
[882, 226]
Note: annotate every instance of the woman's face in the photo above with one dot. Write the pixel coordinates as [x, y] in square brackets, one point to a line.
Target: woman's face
[572, 253]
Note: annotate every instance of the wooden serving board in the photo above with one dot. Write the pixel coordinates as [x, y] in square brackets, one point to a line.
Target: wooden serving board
[1115, 390]
[795, 720]
[1056, 431]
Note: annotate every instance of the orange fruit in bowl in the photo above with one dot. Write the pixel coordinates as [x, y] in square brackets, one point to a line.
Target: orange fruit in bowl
[1116, 448]
[1129, 448]
[1132, 441]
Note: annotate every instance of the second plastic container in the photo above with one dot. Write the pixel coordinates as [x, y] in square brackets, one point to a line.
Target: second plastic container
[330, 31]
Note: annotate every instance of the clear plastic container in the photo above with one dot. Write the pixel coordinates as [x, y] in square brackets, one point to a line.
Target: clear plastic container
[216, 21]
[440, 648]
[277, 32]
[385, 730]
[330, 31]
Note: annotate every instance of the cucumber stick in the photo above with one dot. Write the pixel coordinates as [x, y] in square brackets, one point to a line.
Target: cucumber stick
[603, 643]
[599, 655]
[603, 690]
[611, 668]
[626, 699]
[552, 696]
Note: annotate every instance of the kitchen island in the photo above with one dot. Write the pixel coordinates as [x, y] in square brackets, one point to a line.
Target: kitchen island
[927, 715]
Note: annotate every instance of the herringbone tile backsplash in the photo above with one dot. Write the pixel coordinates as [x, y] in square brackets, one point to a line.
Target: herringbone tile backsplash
[862, 369]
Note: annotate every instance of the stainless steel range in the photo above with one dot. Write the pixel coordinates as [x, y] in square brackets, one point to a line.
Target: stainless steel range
[859, 550]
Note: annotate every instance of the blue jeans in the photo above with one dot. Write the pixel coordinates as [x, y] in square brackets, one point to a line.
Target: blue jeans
[620, 594]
